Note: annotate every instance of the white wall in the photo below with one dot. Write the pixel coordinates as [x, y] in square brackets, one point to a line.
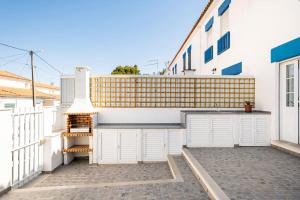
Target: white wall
[14, 83]
[5, 149]
[256, 26]
[141, 115]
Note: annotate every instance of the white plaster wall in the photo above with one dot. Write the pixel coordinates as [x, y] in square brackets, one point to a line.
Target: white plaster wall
[19, 102]
[5, 149]
[53, 156]
[256, 26]
[141, 115]
[14, 83]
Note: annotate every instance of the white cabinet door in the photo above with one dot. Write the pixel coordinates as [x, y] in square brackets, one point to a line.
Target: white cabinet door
[222, 131]
[246, 131]
[128, 146]
[199, 133]
[154, 145]
[109, 146]
[261, 133]
[175, 141]
[254, 130]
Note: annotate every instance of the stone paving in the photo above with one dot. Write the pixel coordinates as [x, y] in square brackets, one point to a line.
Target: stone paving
[252, 172]
[79, 172]
[189, 189]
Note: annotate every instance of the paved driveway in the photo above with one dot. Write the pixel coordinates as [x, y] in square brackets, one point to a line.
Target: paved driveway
[50, 188]
[252, 172]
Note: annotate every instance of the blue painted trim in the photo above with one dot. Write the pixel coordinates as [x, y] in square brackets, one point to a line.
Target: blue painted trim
[209, 24]
[233, 70]
[285, 51]
[224, 43]
[224, 6]
[189, 50]
[208, 54]
[184, 55]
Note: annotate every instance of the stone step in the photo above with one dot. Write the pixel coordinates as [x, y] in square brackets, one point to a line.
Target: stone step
[287, 147]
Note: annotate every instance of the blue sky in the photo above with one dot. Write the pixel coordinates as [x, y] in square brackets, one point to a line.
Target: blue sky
[100, 34]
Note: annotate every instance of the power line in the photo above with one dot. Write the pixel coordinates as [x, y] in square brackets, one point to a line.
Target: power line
[11, 61]
[5, 57]
[54, 68]
[7, 45]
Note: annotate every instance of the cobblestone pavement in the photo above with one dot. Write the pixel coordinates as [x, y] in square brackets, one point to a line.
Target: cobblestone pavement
[79, 172]
[187, 190]
[252, 172]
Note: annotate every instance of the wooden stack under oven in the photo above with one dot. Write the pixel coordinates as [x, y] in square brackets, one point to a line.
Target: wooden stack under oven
[78, 136]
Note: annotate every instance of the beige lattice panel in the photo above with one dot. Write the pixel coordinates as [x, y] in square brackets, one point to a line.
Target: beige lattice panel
[171, 92]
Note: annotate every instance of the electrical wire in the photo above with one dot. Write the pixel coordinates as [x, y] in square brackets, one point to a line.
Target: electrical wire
[5, 57]
[7, 45]
[54, 68]
[11, 61]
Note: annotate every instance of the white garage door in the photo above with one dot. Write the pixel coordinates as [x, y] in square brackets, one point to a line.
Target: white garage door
[118, 146]
[154, 145]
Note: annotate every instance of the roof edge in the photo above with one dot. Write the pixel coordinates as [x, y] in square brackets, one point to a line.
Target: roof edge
[192, 30]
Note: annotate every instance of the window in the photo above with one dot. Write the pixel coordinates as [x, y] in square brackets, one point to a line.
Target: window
[189, 57]
[175, 69]
[9, 105]
[184, 61]
[208, 55]
[209, 24]
[224, 43]
[290, 91]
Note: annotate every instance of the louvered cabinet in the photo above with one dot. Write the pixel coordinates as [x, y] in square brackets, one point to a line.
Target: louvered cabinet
[254, 130]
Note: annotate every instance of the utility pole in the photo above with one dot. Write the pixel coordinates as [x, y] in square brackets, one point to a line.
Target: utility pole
[32, 78]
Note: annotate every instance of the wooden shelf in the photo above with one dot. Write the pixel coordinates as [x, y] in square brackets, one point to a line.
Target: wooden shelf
[78, 149]
[77, 134]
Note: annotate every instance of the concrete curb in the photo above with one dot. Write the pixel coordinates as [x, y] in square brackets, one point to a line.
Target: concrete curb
[210, 186]
[174, 169]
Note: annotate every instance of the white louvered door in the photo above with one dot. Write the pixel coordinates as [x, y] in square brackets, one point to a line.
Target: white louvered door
[175, 141]
[222, 131]
[118, 146]
[246, 131]
[261, 133]
[199, 131]
[109, 146]
[128, 146]
[254, 131]
[154, 145]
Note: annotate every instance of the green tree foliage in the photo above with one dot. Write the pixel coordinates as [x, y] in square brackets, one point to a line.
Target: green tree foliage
[126, 70]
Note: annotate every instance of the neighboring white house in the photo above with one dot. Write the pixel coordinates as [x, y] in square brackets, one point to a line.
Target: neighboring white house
[15, 91]
[234, 37]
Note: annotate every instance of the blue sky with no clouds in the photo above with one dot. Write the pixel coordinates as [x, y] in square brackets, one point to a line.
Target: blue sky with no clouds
[100, 34]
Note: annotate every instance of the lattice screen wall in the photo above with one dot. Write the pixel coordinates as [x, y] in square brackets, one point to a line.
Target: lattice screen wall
[171, 92]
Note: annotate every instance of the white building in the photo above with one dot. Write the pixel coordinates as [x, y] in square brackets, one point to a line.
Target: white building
[15, 91]
[239, 37]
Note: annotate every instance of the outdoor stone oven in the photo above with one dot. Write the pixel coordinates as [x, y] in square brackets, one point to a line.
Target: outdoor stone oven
[78, 136]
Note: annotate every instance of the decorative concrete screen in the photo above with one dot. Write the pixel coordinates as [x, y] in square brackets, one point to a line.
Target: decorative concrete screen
[171, 92]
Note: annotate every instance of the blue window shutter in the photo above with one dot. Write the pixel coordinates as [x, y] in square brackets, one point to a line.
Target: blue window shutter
[285, 51]
[233, 70]
[189, 50]
[175, 70]
[208, 54]
[224, 6]
[224, 43]
[209, 24]
[184, 61]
